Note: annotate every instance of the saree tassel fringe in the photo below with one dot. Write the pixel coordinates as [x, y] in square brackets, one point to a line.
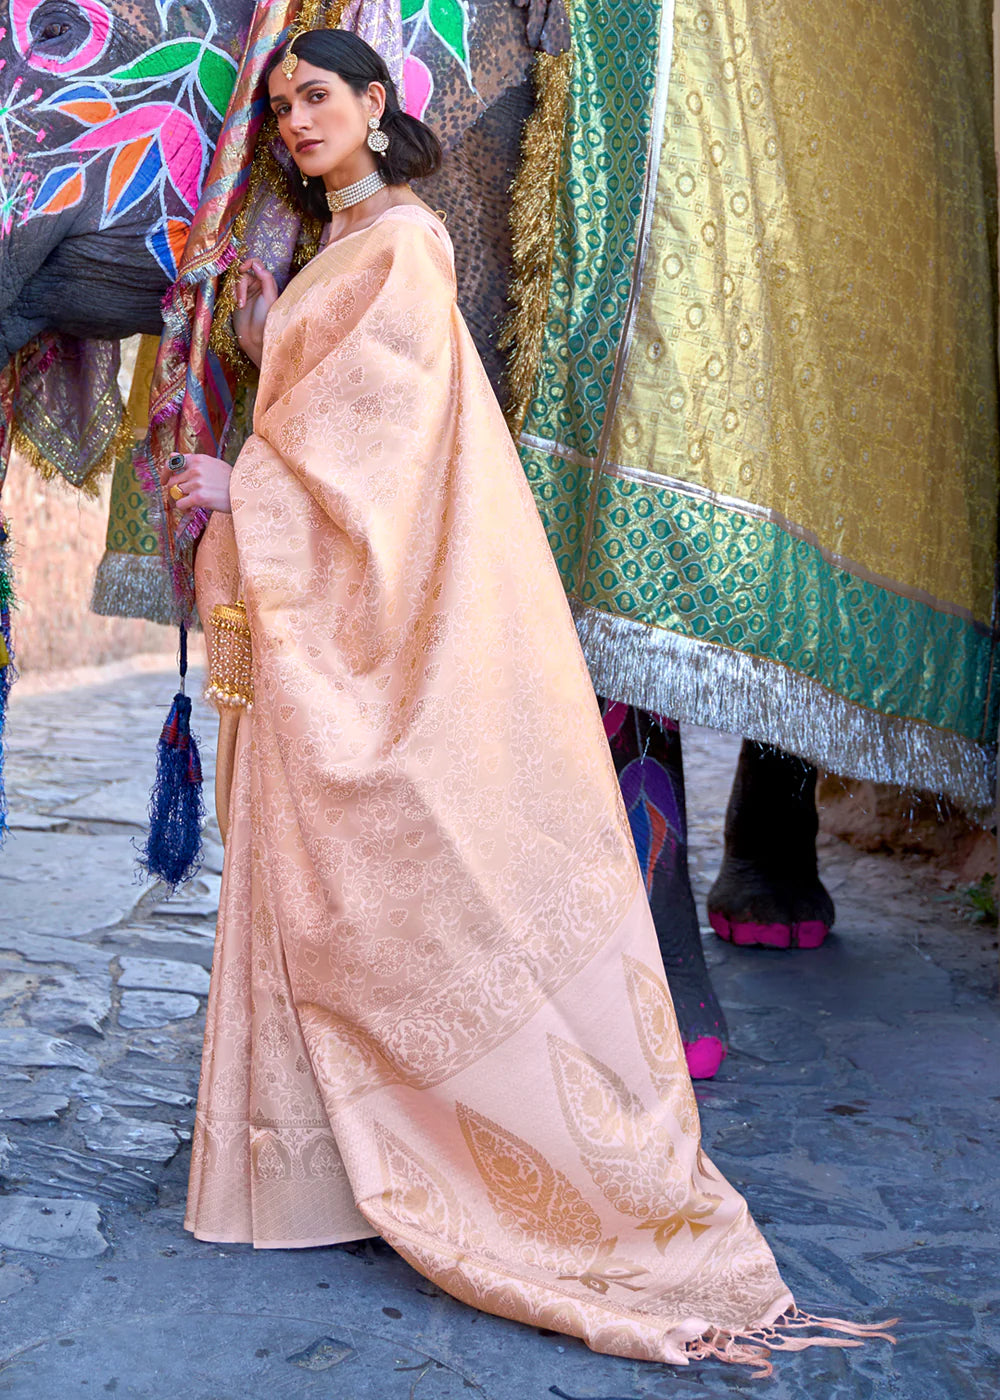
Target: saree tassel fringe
[534, 206]
[7, 672]
[755, 1348]
[173, 849]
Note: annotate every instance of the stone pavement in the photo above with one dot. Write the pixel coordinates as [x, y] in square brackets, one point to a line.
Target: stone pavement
[858, 1111]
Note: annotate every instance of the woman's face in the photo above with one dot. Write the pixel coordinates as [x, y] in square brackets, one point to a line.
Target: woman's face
[322, 120]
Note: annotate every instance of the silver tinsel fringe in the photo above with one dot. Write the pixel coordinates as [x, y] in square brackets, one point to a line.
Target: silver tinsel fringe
[134, 585]
[685, 679]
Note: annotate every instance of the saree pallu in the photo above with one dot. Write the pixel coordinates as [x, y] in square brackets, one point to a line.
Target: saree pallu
[438, 1013]
[761, 421]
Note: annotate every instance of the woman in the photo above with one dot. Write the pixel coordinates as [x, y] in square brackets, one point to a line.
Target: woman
[438, 1012]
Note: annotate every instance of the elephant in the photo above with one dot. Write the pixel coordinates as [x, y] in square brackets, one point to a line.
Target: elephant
[90, 242]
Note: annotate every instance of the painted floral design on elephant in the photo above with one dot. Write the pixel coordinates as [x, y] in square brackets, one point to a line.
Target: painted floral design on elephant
[147, 124]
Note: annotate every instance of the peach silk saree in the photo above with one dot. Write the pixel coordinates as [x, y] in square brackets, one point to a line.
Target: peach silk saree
[438, 1011]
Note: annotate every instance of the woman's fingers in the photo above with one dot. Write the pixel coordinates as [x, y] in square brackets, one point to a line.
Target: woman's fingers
[267, 283]
[254, 279]
[247, 287]
[187, 480]
[259, 279]
[204, 483]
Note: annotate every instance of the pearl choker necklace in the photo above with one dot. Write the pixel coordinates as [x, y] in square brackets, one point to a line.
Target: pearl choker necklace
[338, 200]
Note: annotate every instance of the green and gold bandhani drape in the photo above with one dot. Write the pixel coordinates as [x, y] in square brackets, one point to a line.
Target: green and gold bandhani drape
[761, 423]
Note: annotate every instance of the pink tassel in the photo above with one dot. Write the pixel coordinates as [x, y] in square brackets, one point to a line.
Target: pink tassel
[755, 1348]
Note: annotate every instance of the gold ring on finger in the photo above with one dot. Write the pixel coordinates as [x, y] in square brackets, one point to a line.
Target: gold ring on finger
[176, 493]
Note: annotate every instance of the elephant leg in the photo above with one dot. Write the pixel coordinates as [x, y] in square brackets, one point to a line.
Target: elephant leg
[647, 755]
[768, 890]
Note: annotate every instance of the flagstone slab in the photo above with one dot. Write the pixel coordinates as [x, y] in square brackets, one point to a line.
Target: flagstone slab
[140, 1010]
[165, 975]
[34, 1164]
[62, 1229]
[65, 883]
[51, 950]
[66, 1002]
[28, 1105]
[22, 1045]
[125, 801]
[132, 1138]
[35, 821]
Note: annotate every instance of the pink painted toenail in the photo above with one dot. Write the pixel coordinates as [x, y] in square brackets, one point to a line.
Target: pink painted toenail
[762, 935]
[704, 1056]
[721, 925]
[810, 933]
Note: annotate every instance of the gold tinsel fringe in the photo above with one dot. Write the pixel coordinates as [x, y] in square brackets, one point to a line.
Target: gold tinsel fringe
[700, 683]
[121, 442]
[334, 14]
[534, 202]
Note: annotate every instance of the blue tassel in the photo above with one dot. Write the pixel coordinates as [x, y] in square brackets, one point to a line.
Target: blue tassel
[173, 849]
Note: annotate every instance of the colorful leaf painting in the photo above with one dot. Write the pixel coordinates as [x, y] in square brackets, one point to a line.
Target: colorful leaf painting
[177, 232]
[61, 189]
[131, 175]
[84, 102]
[216, 76]
[183, 153]
[141, 121]
[448, 19]
[166, 243]
[418, 86]
[161, 62]
[181, 142]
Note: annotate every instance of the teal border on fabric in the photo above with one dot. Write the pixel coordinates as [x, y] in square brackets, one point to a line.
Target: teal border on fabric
[562, 495]
[666, 560]
[615, 58]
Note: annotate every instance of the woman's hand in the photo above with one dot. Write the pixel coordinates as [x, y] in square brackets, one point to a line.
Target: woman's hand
[203, 482]
[256, 293]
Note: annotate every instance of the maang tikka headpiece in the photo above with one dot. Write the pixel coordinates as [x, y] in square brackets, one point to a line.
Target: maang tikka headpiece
[290, 61]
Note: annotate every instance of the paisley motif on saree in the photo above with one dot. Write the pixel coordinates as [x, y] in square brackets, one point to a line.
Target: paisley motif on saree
[437, 1011]
[762, 431]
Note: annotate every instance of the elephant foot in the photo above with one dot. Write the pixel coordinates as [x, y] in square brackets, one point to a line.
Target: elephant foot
[751, 908]
[768, 893]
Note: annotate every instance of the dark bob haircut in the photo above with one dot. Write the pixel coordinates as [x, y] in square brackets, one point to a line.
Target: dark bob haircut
[414, 151]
